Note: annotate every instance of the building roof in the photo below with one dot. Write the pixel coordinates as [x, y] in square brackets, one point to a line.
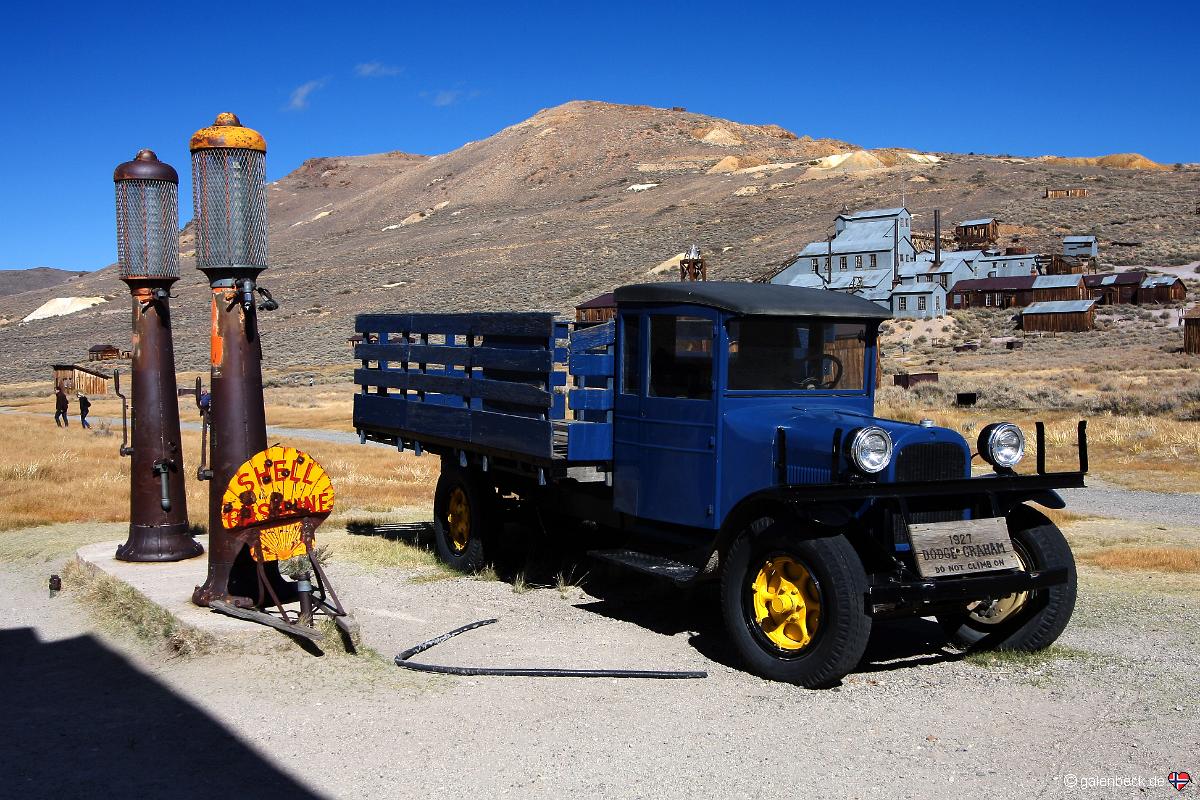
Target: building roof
[862, 236]
[101, 348]
[928, 287]
[1012, 283]
[1059, 307]
[602, 301]
[982, 221]
[1018, 283]
[1005, 256]
[1132, 277]
[872, 213]
[1079, 239]
[950, 255]
[754, 298]
[1159, 280]
[1056, 281]
[82, 368]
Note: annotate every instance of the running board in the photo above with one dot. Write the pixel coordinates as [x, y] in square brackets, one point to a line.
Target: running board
[677, 572]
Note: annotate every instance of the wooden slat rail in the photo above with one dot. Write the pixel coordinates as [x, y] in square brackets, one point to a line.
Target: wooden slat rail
[464, 356]
[478, 380]
[591, 363]
[491, 382]
[504, 391]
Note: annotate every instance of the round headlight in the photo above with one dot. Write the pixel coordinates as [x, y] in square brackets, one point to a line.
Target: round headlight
[871, 449]
[1002, 445]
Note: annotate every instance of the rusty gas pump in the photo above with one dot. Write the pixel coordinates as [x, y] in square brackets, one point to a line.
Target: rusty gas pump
[148, 262]
[229, 192]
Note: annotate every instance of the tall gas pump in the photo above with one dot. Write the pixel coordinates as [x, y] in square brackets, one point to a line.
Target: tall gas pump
[147, 193]
[229, 193]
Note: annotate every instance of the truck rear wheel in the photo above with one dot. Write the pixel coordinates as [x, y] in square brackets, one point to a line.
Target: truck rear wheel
[794, 607]
[463, 515]
[1026, 621]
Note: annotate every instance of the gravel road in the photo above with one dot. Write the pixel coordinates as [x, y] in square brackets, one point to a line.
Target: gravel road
[1101, 499]
[89, 713]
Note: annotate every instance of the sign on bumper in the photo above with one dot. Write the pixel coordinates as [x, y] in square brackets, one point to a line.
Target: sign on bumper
[947, 549]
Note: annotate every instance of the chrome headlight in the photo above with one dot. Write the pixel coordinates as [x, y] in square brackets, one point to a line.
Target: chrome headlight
[871, 449]
[1002, 445]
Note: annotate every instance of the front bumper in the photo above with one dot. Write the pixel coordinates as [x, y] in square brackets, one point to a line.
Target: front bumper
[958, 487]
[920, 597]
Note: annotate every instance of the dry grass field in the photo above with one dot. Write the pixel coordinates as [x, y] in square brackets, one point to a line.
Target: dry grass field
[50, 475]
[1128, 378]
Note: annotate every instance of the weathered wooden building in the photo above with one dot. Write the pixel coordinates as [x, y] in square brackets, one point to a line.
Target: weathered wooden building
[1057, 264]
[1162, 289]
[1080, 247]
[76, 378]
[1056, 194]
[1017, 291]
[597, 310]
[103, 352]
[1191, 332]
[1060, 316]
[1115, 288]
[978, 234]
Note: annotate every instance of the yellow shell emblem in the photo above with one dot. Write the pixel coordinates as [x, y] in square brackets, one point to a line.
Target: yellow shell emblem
[280, 543]
[279, 484]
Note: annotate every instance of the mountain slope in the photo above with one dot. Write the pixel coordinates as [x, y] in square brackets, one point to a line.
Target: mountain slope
[14, 281]
[583, 197]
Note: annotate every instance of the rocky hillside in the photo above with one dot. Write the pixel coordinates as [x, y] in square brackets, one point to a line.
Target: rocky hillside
[14, 281]
[586, 196]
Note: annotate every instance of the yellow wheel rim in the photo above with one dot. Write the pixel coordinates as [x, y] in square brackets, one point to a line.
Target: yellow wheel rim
[787, 606]
[1003, 608]
[458, 514]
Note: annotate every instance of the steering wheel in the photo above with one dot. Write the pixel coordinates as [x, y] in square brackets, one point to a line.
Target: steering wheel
[815, 381]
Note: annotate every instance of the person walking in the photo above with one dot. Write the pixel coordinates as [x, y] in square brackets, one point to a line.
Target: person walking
[60, 407]
[85, 406]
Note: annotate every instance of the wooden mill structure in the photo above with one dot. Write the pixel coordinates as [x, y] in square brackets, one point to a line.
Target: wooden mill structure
[1191, 332]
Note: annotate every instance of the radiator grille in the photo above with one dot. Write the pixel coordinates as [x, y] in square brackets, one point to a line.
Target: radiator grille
[933, 461]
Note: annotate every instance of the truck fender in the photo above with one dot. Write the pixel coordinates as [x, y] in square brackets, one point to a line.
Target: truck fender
[819, 518]
[1046, 497]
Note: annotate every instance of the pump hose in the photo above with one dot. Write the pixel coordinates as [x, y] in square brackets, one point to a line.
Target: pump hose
[526, 672]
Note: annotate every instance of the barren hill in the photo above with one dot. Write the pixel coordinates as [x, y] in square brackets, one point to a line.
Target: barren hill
[586, 196]
[13, 281]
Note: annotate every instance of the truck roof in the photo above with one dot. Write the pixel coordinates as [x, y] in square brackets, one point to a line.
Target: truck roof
[770, 299]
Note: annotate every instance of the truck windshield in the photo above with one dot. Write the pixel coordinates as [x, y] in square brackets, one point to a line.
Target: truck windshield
[789, 353]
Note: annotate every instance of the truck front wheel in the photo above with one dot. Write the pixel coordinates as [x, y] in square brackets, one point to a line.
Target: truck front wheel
[463, 512]
[1025, 621]
[794, 607]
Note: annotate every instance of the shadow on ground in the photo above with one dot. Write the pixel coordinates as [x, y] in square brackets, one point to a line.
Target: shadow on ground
[416, 534]
[530, 555]
[82, 721]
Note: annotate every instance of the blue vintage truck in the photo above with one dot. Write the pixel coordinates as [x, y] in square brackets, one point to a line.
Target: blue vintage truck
[726, 432]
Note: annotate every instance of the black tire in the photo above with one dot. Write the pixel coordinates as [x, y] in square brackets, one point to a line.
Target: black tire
[842, 625]
[480, 502]
[1043, 615]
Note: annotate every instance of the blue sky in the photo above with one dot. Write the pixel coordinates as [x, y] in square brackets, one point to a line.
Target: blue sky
[87, 85]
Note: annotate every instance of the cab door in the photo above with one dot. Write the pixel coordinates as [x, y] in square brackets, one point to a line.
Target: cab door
[665, 437]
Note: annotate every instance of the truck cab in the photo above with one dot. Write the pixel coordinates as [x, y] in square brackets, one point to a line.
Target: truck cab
[727, 432]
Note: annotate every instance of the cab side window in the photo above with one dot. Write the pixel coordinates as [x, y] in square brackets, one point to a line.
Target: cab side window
[681, 357]
[631, 349]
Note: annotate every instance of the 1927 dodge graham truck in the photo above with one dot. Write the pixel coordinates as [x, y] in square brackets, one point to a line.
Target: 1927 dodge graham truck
[726, 432]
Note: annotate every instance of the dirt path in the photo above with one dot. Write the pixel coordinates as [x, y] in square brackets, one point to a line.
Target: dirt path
[1114, 703]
